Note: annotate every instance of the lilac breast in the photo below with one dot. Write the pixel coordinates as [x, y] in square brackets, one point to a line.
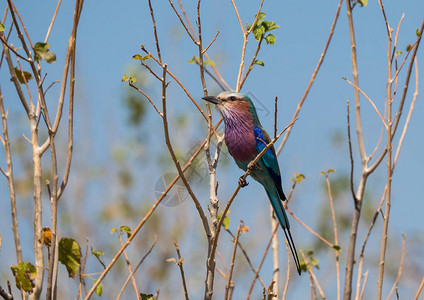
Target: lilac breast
[240, 139]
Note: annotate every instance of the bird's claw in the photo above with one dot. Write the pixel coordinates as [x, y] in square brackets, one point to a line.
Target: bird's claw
[243, 182]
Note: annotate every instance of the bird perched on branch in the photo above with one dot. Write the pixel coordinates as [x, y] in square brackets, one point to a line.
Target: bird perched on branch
[245, 139]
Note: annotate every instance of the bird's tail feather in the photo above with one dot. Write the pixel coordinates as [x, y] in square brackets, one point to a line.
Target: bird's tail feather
[280, 212]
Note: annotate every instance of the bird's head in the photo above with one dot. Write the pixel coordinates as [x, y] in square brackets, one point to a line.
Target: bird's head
[232, 104]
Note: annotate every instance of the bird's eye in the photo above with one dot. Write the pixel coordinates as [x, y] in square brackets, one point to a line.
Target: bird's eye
[232, 98]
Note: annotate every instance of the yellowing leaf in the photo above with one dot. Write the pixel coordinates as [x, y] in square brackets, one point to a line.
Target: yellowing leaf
[298, 178]
[46, 236]
[24, 275]
[146, 297]
[21, 77]
[259, 62]
[125, 229]
[70, 255]
[42, 51]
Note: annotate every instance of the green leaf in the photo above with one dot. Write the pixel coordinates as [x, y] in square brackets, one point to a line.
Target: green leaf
[193, 60]
[2, 27]
[25, 274]
[408, 47]
[42, 51]
[99, 288]
[273, 26]
[298, 178]
[209, 62]
[270, 39]
[417, 32]
[314, 262]
[226, 222]
[196, 60]
[70, 255]
[125, 229]
[97, 254]
[303, 266]
[259, 62]
[114, 229]
[261, 16]
[336, 247]
[398, 52]
[146, 297]
[258, 32]
[26, 75]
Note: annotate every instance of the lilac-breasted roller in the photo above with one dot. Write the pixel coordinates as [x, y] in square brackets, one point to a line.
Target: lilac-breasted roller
[245, 139]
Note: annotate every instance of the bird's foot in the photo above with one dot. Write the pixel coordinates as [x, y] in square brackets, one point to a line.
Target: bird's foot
[242, 182]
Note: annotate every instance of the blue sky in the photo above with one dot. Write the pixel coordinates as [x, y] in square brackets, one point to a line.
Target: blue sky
[111, 32]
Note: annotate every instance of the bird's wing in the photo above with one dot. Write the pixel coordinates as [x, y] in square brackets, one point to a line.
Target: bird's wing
[269, 158]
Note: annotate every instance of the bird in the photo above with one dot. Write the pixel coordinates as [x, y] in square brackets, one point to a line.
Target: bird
[245, 139]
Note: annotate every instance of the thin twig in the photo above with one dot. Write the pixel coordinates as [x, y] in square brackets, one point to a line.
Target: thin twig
[261, 263]
[365, 283]
[308, 228]
[52, 22]
[352, 189]
[389, 163]
[408, 118]
[233, 257]
[336, 240]
[12, 49]
[420, 288]
[357, 199]
[210, 44]
[147, 97]
[402, 258]
[130, 269]
[369, 100]
[314, 74]
[286, 286]
[361, 253]
[180, 265]
[11, 181]
[193, 33]
[311, 273]
[243, 250]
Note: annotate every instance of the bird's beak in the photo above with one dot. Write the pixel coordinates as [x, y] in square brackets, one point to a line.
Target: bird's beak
[212, 99]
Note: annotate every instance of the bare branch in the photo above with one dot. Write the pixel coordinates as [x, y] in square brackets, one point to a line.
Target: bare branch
[180, 265]
[261, 263]
[243, 250]
[420, 288]
[210, 44]
[402, 258]
[369, 100]
[11, 181]
[52, 22]
[233, 257]
[314, 74]
[136, 268]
